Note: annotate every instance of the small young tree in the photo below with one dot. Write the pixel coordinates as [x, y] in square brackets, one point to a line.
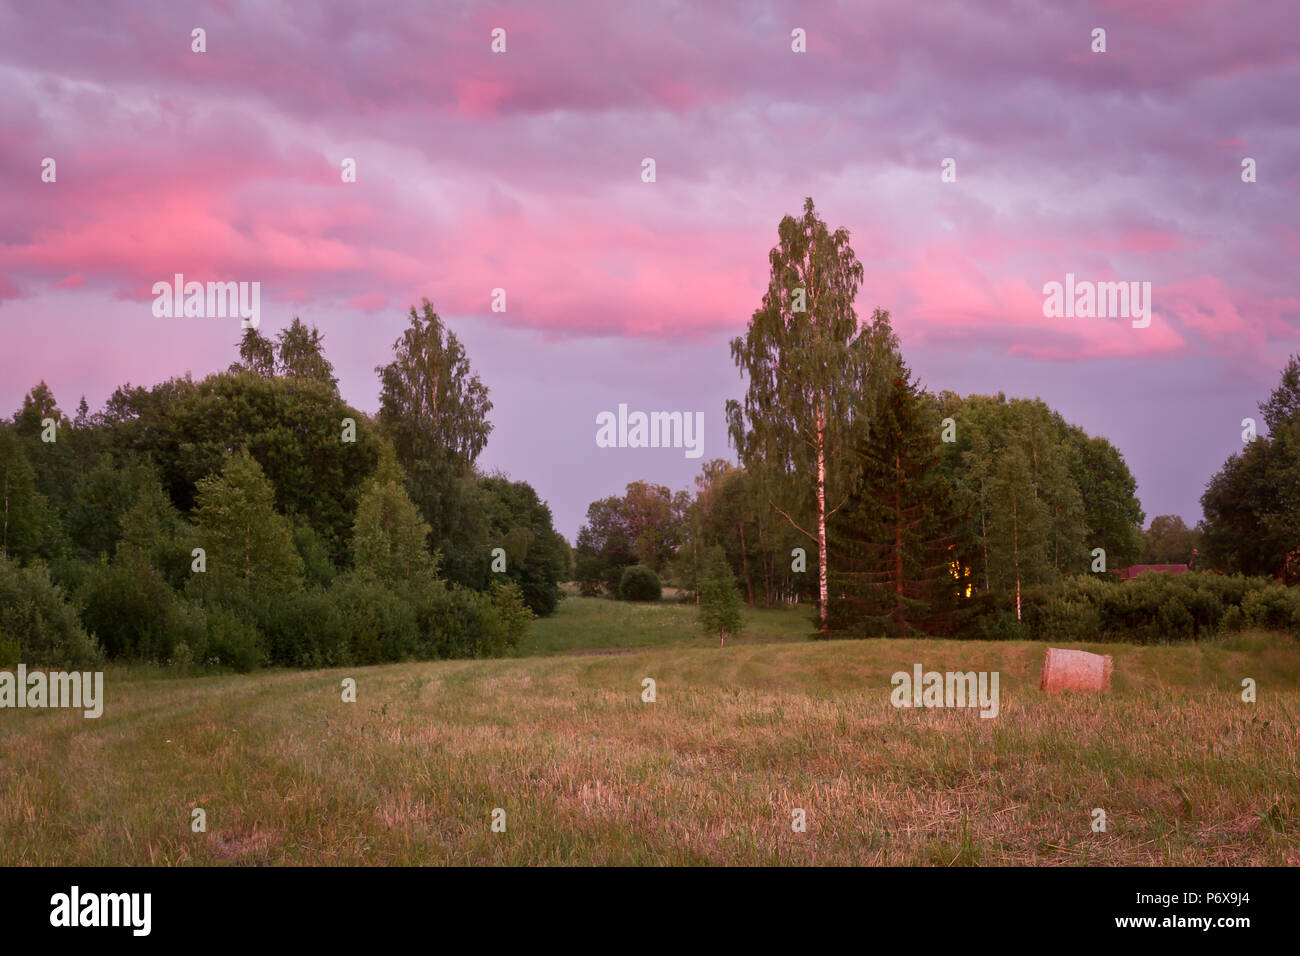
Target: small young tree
[390, 538]
[639, 583]
[719, 599]
[249, 545]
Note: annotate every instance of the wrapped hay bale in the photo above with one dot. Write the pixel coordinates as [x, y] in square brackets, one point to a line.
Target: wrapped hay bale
[1075, 670]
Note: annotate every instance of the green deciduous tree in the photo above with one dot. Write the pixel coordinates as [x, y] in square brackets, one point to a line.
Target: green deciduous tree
[292, 426]
[1108, 491]
[256, 355]
[537, 556]
[300, 351]
[1252, 506]
[605, 546]
[814, 376]
[1044, 492]
[434, 409]
[1168, 540]
[249, 546]
[431, 403]
[391, 538]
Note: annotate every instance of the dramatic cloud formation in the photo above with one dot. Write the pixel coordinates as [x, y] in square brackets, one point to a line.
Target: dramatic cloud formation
[522, 171]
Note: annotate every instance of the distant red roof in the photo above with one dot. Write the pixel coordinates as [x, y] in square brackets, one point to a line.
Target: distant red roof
[1135, 570]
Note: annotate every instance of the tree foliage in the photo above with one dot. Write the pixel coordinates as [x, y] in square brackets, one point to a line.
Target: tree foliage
[390, 538]
[897, 542]
[292, 426]
[536, 554]
[1045, 493]
[1168, 540]
[813, 374]
[719, 611]
[431, 403]
[249, 546]
[1252, 506]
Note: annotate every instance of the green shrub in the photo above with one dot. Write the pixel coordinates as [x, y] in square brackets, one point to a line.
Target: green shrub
[306, 630]
[639, 583]
[1150, 608]
[455, 621]
[1065, 618]
[182, 661]
[1269, 607]
[38, 625]
[317, 567]
[128, 607]
[232, 642]
[1003, 626]
[188, 623]
[380, 623]
[513, 616]
[1175, 619]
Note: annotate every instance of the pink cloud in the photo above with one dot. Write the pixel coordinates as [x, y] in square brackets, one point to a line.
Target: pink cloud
[369, 302]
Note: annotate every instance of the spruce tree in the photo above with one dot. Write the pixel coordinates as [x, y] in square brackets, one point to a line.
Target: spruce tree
[895, 539]
[719, 599]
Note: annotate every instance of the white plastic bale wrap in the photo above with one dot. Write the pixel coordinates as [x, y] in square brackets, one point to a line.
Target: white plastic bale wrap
[1075, 670]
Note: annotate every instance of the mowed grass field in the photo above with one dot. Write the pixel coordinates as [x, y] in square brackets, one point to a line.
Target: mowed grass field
[710, 773]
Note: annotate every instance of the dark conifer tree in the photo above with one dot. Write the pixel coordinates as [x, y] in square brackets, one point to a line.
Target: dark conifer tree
[896, 537]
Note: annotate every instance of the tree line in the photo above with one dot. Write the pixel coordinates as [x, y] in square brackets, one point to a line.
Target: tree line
[254, 517]
[898, 511]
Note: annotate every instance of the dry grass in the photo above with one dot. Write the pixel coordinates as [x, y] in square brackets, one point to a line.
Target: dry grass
[709, 774]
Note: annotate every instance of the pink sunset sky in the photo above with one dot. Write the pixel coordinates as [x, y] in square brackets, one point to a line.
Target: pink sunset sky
[522, 171]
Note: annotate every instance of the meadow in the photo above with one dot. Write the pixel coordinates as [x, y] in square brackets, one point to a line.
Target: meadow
[711, 772]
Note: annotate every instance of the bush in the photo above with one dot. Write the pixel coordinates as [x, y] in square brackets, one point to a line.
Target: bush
[1065, 618]
[306, 629]
[1270, 607]
[182, 659]
[1151, 608]
[317, 568]
[455, 621]
[719, 609]
[1175, 619]
[380, 623]
[513, 615]
[38, 626]
[1233, 620]
[232, 642]
[128, 607]
[639, 583]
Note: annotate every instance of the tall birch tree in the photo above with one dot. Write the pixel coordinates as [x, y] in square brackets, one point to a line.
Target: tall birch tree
[815, 374]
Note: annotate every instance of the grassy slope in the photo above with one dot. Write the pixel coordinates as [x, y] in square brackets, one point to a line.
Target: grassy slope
[587, 773]
[585, 623]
